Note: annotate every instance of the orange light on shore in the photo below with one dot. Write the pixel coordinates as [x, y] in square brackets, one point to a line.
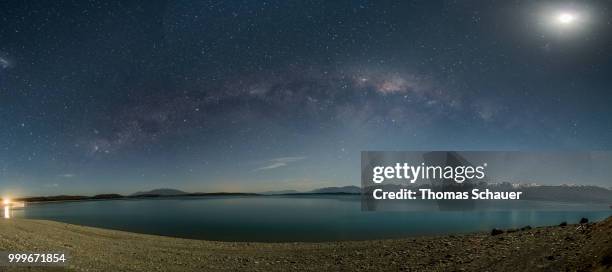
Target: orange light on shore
[6, 201]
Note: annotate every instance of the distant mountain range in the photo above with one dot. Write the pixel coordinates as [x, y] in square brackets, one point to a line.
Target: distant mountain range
[563, 193]
[280, 192]
[334, 190]
[160, 192]
[568, 193]
[326, 190]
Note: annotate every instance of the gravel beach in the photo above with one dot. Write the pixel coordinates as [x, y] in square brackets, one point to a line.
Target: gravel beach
[586, 247]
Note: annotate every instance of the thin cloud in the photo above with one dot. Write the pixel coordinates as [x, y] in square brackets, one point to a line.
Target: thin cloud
[279, 162]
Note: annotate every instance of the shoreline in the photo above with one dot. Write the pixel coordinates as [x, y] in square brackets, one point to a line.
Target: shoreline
[556, 248]
[162, 197]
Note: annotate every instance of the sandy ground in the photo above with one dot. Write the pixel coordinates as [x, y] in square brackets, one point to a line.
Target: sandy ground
[569, 248]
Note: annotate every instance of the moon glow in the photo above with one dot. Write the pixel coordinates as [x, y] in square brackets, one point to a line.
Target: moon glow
[564, 21]
[566, 18]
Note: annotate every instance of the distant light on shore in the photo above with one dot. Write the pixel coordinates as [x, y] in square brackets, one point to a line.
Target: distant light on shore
[9, 204]
[6, 202]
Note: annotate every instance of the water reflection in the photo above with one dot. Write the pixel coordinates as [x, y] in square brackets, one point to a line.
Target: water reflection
[290, 219]
[8, 205]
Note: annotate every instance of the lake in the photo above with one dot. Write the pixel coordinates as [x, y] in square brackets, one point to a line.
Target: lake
[298, 218]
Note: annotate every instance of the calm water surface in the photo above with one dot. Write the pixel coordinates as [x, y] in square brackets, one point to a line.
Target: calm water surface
[298, 218]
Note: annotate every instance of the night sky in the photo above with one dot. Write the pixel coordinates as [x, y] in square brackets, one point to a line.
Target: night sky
[104, 96]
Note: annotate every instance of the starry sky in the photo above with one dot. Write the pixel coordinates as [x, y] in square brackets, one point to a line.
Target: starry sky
[107, 96]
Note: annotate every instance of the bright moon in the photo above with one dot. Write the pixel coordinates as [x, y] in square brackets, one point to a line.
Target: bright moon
[566, 18]
[564, 22]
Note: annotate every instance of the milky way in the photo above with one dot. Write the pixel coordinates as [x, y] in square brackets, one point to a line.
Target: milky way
[4, 63]
[253, 96]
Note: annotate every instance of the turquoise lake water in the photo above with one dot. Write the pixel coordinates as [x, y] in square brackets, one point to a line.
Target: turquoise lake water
[299, 218]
